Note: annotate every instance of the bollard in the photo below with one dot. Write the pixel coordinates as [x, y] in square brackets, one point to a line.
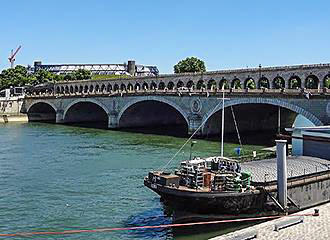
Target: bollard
[281, 172]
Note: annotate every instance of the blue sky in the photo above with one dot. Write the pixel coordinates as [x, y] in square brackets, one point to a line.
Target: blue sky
[225, 34]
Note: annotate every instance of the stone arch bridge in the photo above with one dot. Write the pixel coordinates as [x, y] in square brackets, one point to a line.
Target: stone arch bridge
[254, 109]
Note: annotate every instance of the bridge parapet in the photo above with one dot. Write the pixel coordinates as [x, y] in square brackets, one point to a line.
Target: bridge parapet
[324, 93]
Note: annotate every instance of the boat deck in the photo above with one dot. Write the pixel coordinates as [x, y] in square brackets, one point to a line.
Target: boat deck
[266, 171]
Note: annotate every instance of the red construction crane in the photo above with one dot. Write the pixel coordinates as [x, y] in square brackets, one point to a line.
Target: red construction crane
[12, 56]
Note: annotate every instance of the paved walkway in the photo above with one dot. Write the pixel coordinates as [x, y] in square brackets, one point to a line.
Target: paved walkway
[313, 227]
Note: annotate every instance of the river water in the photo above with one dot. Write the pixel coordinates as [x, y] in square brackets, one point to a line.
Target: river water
[56, 178]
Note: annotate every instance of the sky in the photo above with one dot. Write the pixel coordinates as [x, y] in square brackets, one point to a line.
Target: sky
[224, 34]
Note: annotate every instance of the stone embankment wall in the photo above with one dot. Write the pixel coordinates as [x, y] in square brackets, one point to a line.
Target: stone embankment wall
[10, 110]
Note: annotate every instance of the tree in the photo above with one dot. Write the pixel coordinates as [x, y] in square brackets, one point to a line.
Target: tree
[15, 77]
[190, 64]
[82, 74]
[43, 76]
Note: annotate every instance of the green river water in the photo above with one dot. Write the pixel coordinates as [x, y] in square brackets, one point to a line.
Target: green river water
[56, 178]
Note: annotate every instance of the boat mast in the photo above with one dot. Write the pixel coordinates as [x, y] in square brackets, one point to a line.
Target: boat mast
[223, 119]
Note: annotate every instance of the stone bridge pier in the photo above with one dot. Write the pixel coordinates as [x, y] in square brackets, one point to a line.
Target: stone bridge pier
[184, 113]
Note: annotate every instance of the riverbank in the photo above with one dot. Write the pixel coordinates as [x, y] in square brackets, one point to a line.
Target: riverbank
[13, 118]
[10, 110]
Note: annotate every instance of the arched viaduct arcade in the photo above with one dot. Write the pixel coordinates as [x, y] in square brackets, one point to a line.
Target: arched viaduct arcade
[254, 110]
[315, 76]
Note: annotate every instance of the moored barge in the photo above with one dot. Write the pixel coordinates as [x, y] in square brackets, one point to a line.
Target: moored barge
[218, 185]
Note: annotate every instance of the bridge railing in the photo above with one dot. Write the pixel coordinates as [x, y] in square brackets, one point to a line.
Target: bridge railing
[183, 92]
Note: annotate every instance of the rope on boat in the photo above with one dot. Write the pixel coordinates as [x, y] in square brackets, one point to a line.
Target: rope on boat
[77, 231]
[236, 126]
[192, 135]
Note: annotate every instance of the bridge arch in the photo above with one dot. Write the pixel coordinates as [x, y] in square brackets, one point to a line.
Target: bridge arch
[236, 84]
[200, 84]
[211, 84]
[42, 110]
[312, 82]
[153, 85]
[86, 111]
[145, 86]
[130, 87]
[190, 84]
[249, 83]
[267, 101]
[223, 82]
[156, 99]
[263, 82]
[122, 87]
[161, 85]
[278, 82]
[170, 85]
[102, 88]
[294, 82]
[90, 100]
[179, 84]
[109, 88]
[137, 86]
[97, 88]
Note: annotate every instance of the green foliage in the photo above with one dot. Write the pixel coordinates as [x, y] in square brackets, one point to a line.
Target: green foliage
[200, 84]
[19, 76]
[263, 83]
[295, 83]
[110, 77]
[250, 84]
[82, 74]
[224, 83]
[279, 83]
[236, 84]
[212, 84]
[190, 64]
[327, 81]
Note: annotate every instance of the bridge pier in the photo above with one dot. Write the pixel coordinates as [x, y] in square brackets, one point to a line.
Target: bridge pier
[113, 121]
[195, 121]
[59, 116]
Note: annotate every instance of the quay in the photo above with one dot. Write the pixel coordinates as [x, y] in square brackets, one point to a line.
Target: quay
[311, 227]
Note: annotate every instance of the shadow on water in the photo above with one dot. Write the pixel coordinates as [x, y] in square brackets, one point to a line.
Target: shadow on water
[95, 125]
[261, 138]
[152, 217]
[168, 130]
[158, 216]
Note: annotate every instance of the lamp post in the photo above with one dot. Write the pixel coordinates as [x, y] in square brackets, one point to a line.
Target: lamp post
[191, 145]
